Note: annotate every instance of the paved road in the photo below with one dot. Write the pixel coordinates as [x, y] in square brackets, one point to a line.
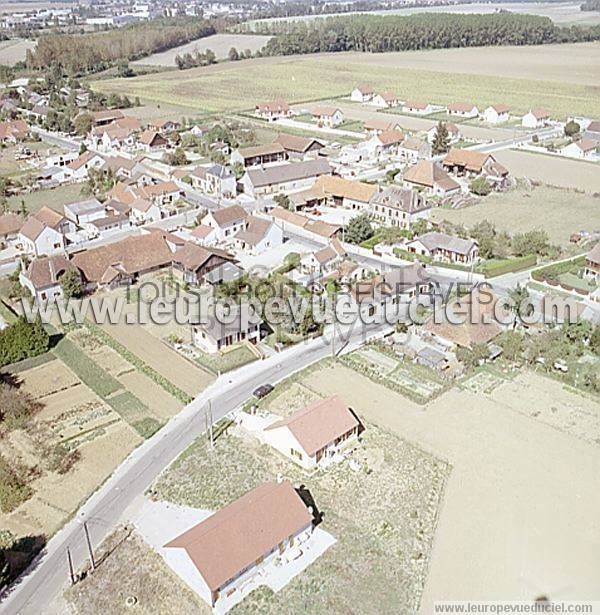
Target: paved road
[104, 510]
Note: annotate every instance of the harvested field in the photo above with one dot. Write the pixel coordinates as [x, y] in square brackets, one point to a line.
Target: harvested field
[14, 50]
[398, 490]
[552, 170]
[240, 85]
[155, 587]
[515, 482]
[558, 212]
[220, 44]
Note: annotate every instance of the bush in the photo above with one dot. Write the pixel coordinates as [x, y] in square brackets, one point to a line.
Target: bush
[359, 229]
[16, 407]
[480, 186]
[22, 340]
[13, 488]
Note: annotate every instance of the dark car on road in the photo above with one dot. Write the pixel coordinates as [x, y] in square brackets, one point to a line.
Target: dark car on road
[262, 391]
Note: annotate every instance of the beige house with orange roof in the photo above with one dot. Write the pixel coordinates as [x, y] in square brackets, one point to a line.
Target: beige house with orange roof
[465, 110]
[496, 114]
[430, 177]
[272, 111]
[222, 553]
[314, 434]
[328, 116]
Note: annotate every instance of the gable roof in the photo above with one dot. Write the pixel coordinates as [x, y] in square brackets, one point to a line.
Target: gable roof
[461, 107]
[10, 224]
[390, 137]
[500, 109]
[49, 217]
[236, 536]
[593, 126]
[334, 250]
[587, 145]
[380, 124]
[255, 230]
[288, 172]
[192, 256]
[261, 150]
[325, 111]
[428, 173]
[229, 215]
[593, 256]
[404, 199]
[345, 188]
[416, 104]
[471, 160]
[319, 423]
[150, 137]
[436, 241]
[276, 106]
[46, 271]
[294, 143]
[82, 160]
[540, 114]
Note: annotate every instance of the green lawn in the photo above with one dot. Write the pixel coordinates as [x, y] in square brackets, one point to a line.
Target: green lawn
[225, 362]
[54, 198]
[235, 86]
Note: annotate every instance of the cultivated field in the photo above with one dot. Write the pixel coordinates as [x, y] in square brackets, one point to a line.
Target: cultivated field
[14, 50]
[557, 211]
[524, 82]
[514, 480]
[220, 44]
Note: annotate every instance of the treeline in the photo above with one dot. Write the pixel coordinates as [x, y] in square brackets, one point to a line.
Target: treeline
[590, 5]
[376, 34]
[98, 51]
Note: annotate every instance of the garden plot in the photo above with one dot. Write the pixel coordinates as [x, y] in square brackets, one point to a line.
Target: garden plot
[550, 402]
[379, 364]
[290, 398]
[484, 381]
[382, 515]
[47, 379]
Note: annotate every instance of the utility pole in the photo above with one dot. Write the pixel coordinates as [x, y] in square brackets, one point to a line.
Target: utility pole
[89, 545]
[210, 424]
[71, 572]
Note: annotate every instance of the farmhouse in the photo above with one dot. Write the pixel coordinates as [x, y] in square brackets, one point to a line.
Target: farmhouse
[417, 107]
[43, 276]
[259, 235]
[298, 146]
[328, 116]
[284, 178]
[412, 150]
[340, 192]
[496, 114]
[387, 142]
[400, 207]
[44, 232]
[192, 262]
[242, 324]
[226, 222]
[385, 100]
[362, 94]
[216, 179]
[315, 434]
[259, 155]
[463, 110]
[445, 248]
[152, 141]
[376, 126]
[592, 264]
[231, 546]
[273, 110]
[10, 225]
[431, 177]
[84, 211]
[471, 163]
[536, 118]
[323, 261]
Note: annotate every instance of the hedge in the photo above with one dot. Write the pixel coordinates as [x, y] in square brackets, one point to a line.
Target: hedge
[495, 268]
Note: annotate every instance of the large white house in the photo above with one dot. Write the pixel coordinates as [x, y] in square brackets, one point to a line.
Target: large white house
[586, 149]
[362, 94]
[315, 433]
[496, 114]
[226, 222]
[536, 118]
[222, 553]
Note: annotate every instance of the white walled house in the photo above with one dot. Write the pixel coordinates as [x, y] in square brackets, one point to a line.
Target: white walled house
[314, 434]
[584, 149]
[81, 212]
[385, 100]
[225, 551]
[417, 107]
[216, 179]
[453, 133]
[496, 114]
[43, 276]
[144, 211]
[259, 235]
[361, 94]
[78, 169]
[445, 248]
[226, 222]
[536, 118]
[464, 110]
[37, 239]
[328, 116]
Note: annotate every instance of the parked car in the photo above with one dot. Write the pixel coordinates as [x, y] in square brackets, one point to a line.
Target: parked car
[263, 390]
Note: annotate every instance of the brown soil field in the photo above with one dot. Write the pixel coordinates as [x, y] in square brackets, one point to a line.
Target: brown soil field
[162, 405]
[559, 212]
[520, 502]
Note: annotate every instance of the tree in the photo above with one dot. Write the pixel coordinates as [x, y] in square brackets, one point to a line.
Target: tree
[176, 158]
[16, 406]
[480, 186]
[473, 357]
[522, 305]
[83, 123]
[70, 283]
[238, 169]
[283, 200]
[233, 54]
[484, 234]
[441, 140]
[595, 340]
[22, 340]
[123, 69]
[572, 128]
[210, 57]
[512, 345]
[359, 229]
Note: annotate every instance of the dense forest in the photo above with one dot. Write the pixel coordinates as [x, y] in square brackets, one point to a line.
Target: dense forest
[376, 33]
[591, 5]
[97, 51]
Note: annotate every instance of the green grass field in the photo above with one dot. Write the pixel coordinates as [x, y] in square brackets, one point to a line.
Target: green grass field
[54, 198]
[559, 212]
[237, 86]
